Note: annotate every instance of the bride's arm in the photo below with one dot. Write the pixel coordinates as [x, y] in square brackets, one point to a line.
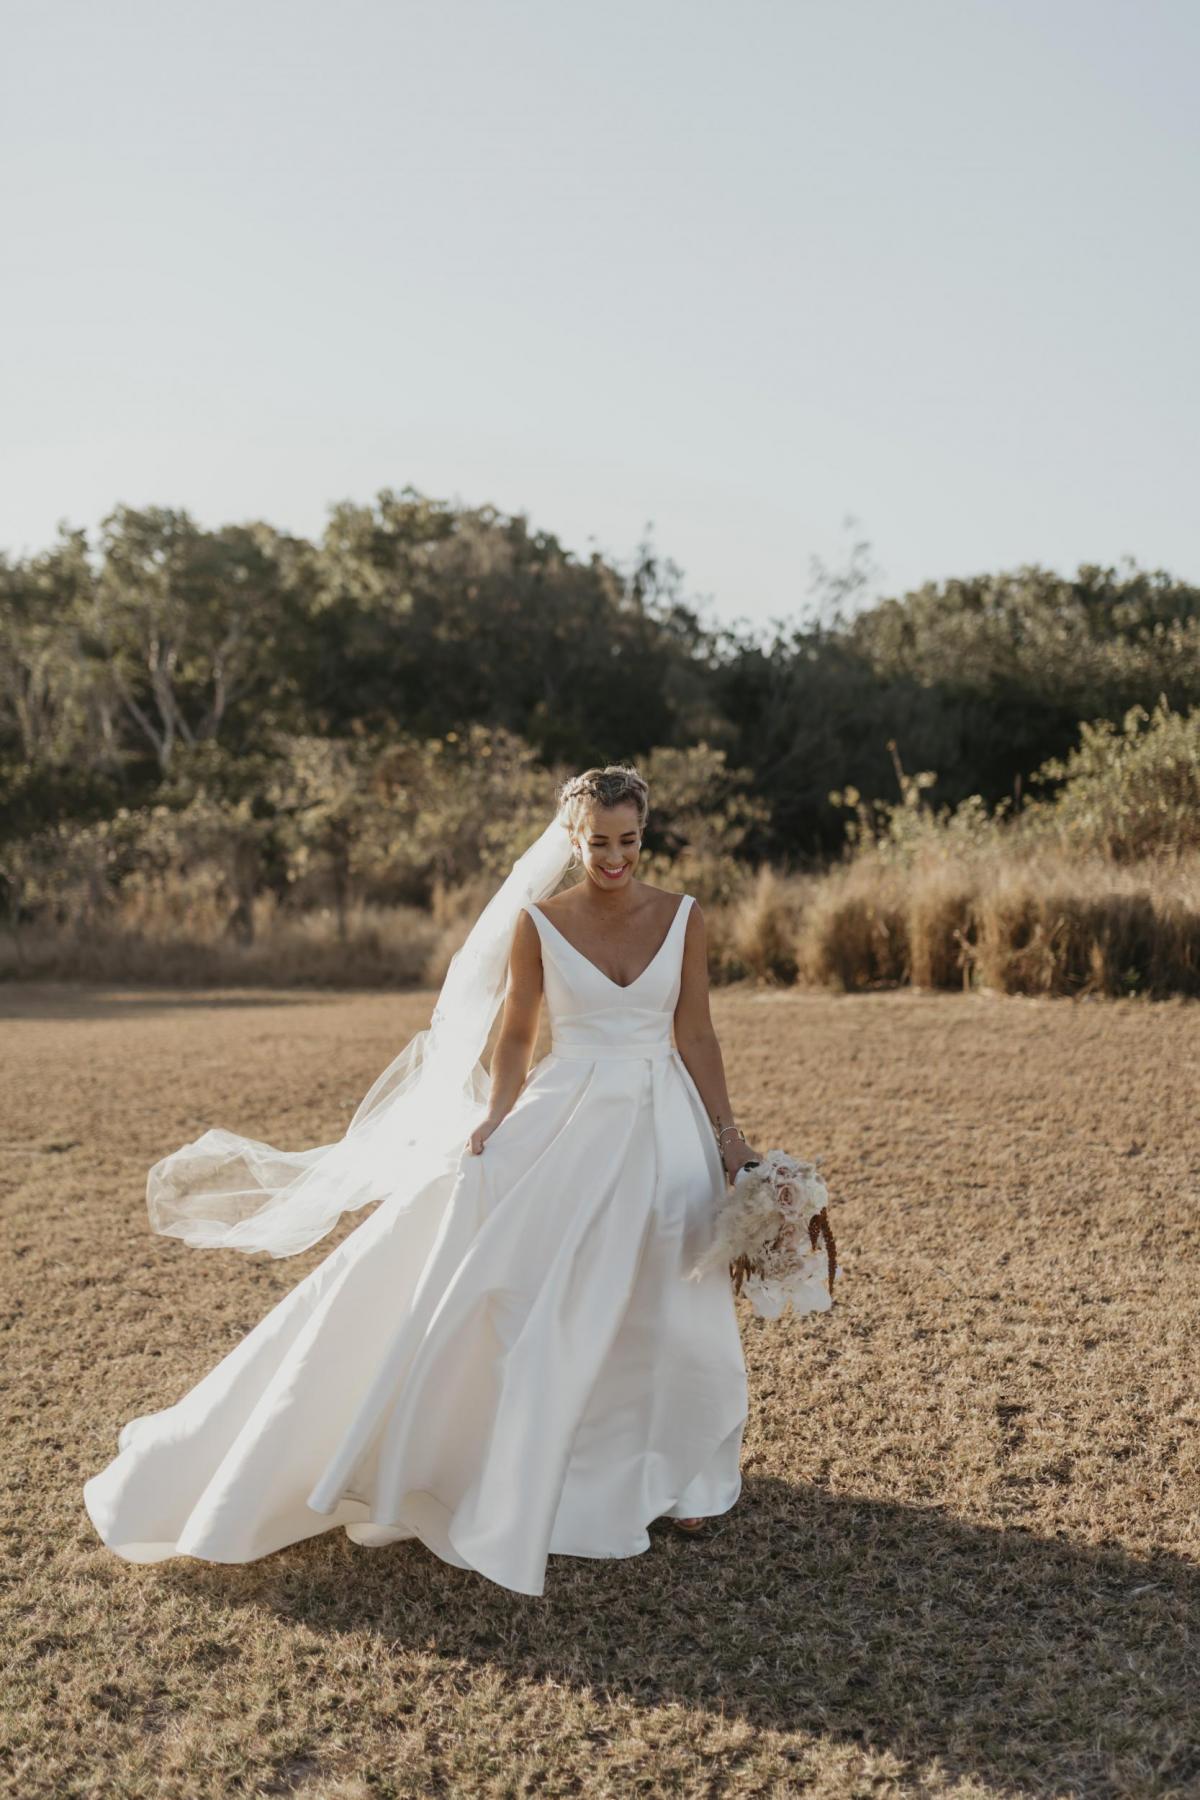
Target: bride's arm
[518, 1028]
[698, 1045]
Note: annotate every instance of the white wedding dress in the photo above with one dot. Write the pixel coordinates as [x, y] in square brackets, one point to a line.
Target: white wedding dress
[515, 1366]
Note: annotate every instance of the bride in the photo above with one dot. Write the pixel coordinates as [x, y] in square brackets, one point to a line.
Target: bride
[507, 1359]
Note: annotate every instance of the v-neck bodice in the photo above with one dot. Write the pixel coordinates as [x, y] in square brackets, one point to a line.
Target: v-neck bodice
[592, 1013]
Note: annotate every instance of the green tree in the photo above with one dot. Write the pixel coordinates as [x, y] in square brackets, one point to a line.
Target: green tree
[186, 626]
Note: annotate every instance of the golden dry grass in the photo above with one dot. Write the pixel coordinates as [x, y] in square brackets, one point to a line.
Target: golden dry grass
[987, 916]
[393, 946]
[1035, 924]
[966, 1560]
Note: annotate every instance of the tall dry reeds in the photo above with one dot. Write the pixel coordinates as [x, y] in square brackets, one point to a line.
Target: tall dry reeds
[381, 947]
[1044, 924]
[1010, 923]
[1046, 928]
[941, 922]
[761, 930]
[853, 931]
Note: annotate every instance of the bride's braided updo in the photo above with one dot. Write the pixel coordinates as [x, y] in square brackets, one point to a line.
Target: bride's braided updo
[610, 786]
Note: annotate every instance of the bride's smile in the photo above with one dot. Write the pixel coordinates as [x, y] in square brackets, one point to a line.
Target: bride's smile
[609, 848]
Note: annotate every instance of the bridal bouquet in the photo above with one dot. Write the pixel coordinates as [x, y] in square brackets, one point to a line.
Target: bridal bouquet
[772, 1206]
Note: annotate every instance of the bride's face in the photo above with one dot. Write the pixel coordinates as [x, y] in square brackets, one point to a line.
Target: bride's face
[609, 844]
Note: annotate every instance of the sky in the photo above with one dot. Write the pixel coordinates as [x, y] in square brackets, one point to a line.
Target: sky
[750, 281]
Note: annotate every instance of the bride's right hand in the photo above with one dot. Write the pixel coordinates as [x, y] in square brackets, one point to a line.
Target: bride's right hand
[480, 1135]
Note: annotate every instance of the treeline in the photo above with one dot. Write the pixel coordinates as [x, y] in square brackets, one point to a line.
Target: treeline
[242, 667]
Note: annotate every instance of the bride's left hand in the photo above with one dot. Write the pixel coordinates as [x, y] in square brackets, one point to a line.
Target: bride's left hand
[736, 1154]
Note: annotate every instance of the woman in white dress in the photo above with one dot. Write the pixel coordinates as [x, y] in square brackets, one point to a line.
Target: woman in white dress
[507, 1360]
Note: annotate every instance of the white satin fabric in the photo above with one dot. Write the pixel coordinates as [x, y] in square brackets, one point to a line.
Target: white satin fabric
[509, 1366]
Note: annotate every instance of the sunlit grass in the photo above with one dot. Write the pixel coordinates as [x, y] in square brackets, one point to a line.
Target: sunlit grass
[966, 1559]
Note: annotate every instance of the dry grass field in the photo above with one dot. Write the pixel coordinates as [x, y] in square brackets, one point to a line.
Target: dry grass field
[966, 1560]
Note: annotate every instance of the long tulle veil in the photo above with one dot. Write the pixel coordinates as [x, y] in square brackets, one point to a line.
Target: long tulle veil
[224, 1191]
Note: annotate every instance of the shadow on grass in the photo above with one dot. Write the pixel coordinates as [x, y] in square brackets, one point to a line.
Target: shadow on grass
[1044, 1664]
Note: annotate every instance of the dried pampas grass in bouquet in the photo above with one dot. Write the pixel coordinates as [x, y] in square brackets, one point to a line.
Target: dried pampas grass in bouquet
[771, 1208]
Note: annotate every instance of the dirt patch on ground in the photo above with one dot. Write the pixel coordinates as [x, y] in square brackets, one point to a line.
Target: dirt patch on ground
[967, 1555]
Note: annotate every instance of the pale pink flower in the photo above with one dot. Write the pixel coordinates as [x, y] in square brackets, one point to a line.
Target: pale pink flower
[767, 1233]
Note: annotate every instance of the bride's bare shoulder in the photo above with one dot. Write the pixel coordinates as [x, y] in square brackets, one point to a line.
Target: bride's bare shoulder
[669, 900]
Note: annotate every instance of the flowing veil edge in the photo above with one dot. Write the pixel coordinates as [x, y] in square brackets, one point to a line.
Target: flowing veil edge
[226, 1191]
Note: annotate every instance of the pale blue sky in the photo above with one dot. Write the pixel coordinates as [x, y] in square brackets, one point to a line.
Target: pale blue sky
[738, 270]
